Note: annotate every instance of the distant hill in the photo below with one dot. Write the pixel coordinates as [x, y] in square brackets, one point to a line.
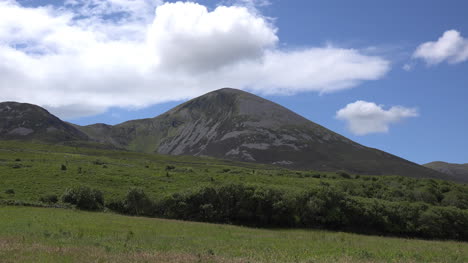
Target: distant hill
[236, 125]
[457, 171]
[25, 121]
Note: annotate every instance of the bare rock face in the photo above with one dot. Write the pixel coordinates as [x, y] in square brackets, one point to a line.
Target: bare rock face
[236, 125]
[27, 121]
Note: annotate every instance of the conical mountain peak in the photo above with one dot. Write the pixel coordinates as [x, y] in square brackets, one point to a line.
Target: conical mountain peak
[237, 125]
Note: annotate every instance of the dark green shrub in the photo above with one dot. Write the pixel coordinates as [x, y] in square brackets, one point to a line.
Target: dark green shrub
[10, 191]
[328, 206]
[84, 198]
[444, 222]
[322, 207]
[344, 175]
[137, 203]
[116, 205]
[51, 199]
[455, 198]
[63, 167]
[170, 167]
[425, 194]
[98, 162]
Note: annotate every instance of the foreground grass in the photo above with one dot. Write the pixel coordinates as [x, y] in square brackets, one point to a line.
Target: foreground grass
[57, 235]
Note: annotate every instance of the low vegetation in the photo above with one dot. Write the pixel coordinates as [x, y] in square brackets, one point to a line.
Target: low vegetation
[325, 207]
[63, 235]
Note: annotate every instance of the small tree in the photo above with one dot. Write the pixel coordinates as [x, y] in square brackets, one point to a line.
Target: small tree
[84, 198]
[137, 203]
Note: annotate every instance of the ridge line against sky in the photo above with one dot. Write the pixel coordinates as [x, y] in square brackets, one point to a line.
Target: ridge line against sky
[384, 70]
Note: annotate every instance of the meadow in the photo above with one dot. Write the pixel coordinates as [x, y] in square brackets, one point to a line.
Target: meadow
[58, 235]
[29, 172]
[32, 170]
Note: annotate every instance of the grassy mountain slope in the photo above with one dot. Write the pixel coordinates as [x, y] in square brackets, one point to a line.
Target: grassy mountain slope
[457, 171]
[236, 125]
[34, 170]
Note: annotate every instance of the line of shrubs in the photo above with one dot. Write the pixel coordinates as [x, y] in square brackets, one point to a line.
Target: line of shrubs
[326, 207]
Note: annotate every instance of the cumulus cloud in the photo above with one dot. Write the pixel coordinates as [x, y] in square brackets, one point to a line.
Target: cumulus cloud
[186, 36]
[364, 117]
[450, 47]
[86, 56]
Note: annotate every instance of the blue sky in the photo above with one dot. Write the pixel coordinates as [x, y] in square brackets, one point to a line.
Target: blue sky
[433, 121]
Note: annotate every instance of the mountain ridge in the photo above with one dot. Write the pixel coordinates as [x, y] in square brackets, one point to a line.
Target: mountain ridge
[453, 169]
[233, 124]
[237, 125]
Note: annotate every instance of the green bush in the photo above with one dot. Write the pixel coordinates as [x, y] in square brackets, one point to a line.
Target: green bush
[84, 198]
[137, 203]
[374, 207]
[322, 208]
[455, 198]
[326, 207]
[344, 175]
[50, 199]
[170, 167]
[10, 191]
[444, 222]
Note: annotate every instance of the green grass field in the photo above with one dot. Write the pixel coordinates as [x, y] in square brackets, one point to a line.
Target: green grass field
[58, 235]
[29, 171]
[32, 170]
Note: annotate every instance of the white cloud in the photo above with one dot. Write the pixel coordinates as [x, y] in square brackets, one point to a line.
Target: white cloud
[186, 36]
[87, 56]
[450, 47]
[364, 117]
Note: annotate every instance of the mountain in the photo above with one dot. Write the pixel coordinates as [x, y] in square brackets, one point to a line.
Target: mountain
[236, 125]
[30, 122]
[458, 171]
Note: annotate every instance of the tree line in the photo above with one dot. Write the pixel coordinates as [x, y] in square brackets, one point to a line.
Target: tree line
[324, 207]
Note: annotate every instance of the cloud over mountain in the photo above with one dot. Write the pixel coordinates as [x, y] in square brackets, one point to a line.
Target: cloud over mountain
[364, 117]
[86, 56]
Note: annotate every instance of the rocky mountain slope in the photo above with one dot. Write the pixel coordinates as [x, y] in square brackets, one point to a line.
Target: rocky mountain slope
[237, 125]
[458, 171]
[30, 122]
